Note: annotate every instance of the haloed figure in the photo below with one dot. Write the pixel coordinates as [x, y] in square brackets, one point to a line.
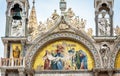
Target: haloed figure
[16, 52]
[57, 64]
[47, 61]
[81, 60]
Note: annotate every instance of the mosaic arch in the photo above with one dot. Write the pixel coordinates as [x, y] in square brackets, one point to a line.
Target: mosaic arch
[35, 49]
[117, 60]
[63, 55]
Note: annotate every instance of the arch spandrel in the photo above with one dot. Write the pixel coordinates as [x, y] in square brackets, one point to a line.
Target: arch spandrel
[115, 54]
[35, 48]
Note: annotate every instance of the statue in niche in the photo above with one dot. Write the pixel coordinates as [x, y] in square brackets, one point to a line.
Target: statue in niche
[105, 55]
[104, 25]
[55, 16]
[117, 30]
[16, 28]
[70, 13]
[16, 52]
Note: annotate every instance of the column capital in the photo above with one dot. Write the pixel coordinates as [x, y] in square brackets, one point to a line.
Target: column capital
[5, 42]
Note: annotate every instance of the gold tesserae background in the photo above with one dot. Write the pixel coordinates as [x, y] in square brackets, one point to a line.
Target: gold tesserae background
[117, 62]
[68, 44]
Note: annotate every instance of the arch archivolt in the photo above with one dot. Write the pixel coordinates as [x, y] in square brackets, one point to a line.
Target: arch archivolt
[67, 35]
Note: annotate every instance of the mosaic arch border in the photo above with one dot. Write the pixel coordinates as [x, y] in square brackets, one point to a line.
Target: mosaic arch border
[114, 55]
[34, 48]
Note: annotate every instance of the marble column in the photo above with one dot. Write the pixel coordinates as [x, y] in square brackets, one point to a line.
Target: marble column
[23, 48]
[3, 72]
[5, 48]
[96, 22]
[110, 73]
[111, 28]
[21, 72]
[7, 25]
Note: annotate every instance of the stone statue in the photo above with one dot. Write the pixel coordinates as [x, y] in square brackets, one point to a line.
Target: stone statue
[42, 27]
[117, 30]
[105, 55]
[90, 32]
[49, 23]
[16, 52]
[70, 13]
[55, 16]
[82, 23]
[103, 26]
[78, 23]
[16, 28]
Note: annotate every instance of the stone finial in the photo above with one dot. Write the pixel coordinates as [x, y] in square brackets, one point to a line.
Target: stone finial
[55, 16]
[70, 13]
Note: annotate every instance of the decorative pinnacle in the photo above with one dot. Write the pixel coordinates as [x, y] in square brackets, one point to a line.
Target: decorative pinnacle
[62, 5]
[33, 2]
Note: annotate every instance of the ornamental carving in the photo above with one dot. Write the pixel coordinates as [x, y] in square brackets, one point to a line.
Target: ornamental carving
[114, 55]
[60, 21]
[34, 48]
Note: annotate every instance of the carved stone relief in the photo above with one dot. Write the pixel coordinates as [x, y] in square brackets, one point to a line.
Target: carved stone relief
[105, 53]
[16, 28]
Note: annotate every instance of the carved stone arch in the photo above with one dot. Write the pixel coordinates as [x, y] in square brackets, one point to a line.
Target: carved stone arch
[114, 54]
[12, 5]
[31, 52]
